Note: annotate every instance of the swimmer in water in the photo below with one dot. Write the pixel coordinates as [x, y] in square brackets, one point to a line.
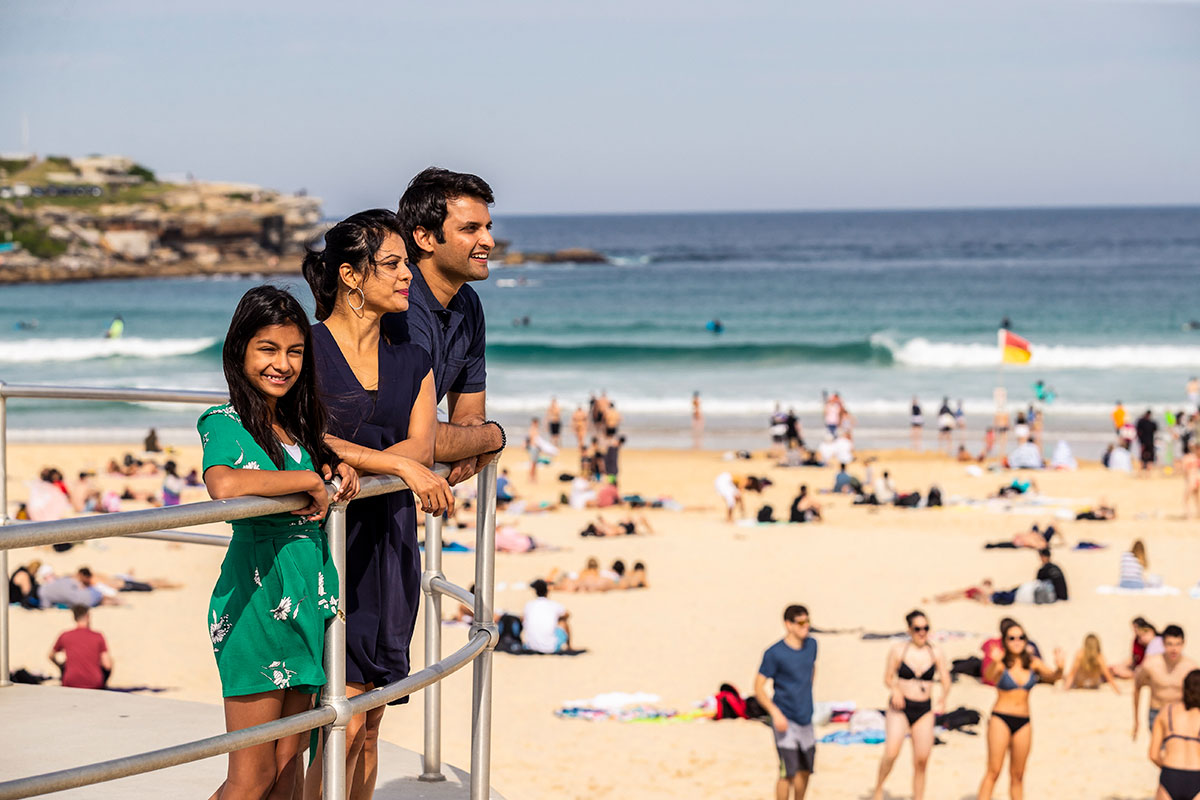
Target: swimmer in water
[115, 328]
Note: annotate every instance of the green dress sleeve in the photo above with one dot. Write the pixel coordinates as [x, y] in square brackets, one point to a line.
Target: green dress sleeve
[226, 443]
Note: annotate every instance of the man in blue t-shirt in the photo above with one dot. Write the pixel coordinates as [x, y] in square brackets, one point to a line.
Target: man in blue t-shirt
[790, 664]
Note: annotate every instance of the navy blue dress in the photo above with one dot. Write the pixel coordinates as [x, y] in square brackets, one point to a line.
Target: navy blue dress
[383, 564]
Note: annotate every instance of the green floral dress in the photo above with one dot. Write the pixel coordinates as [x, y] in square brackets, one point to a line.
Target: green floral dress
[278, 584]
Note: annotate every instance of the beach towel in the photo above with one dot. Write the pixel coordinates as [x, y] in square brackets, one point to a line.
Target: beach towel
[847, 737]
[1195, 592]
[1149, 591]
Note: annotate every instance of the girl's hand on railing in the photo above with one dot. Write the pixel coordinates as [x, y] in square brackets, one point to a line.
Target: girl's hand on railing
[315, 510]
[430, 489]
[349, 476]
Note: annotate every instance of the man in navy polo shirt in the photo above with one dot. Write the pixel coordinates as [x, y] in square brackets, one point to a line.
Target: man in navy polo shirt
[790, 665]
[446, 226]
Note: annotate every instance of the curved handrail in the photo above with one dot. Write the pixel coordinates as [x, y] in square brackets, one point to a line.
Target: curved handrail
[160, 523]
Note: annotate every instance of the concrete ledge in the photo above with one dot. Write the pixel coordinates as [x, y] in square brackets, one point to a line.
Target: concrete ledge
[52, 728]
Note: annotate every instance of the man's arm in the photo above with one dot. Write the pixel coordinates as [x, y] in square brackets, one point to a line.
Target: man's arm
[464, 441]
[764, 699]
[1139, 680]
[106, 660]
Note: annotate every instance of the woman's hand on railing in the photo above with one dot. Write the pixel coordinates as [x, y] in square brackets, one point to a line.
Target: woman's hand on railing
[315, 510]
[430, 489]
[349, 487]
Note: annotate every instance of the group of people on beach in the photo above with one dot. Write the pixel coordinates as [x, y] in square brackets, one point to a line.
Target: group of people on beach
[399, 329]
[1014, 665]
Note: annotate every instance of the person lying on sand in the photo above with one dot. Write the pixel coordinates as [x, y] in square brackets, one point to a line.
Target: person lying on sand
[980, 593]
[628, 526]
[1035, 538]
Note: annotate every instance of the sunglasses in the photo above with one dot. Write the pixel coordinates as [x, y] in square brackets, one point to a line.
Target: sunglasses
[920, 629]
[799, 621]
[1015, 638]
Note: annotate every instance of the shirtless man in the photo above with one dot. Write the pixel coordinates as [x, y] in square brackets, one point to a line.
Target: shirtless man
[554, 420]
[1164, 675]
[1189, 466]
[579, 423]
[612, 422]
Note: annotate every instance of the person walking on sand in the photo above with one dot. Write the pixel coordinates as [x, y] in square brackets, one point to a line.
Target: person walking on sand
[1164, 675]
[1193, 393]
[554, 422]
[1015, 671]
[790, 664]
[912, 668]
[1175, 744]
[1189, 468]
[697, 421]
[1147, 431]
[915, 423]
[532, 438]
[1118, 417]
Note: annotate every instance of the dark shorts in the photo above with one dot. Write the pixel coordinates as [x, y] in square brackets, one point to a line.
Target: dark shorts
[610, 431]
[555, 428]
[797, 748]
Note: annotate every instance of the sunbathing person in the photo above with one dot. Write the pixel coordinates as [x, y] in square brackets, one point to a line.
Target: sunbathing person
[636, 579]
[980, 593]
[1088, 670]
[590, 579]
[629, 526]
[1099, 512]
[1017, 488]
[1035, 538]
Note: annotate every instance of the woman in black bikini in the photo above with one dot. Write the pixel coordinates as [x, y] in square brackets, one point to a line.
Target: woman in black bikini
[912, 668]
[1175, 744]
[1015, 671]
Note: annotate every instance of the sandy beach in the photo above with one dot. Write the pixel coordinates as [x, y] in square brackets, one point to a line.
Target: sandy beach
[714, 603]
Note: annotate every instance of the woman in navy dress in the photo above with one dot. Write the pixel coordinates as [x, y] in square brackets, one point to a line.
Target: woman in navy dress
[382, 416]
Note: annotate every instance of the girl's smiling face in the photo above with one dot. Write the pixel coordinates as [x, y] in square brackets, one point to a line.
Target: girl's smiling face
[274, 358]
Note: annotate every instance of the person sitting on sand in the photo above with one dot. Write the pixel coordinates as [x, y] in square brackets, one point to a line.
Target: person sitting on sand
[805, 508]
[86, 661]
[845, 483]
[1175, 744]
[963, 456]
[76, 590]
[23, 585]
[1146, 642]
[636, 578]
[1133, 567]
[1088, 670]
[545, 624]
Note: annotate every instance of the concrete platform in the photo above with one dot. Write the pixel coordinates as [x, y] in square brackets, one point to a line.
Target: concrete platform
[51, 728]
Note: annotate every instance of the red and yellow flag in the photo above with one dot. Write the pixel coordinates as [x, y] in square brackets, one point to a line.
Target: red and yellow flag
[1013, 349]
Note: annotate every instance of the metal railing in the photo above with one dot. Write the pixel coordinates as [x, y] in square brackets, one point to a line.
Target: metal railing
[335, 709]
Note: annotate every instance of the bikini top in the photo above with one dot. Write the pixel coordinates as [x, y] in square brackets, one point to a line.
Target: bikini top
[1171, 734]
[1007, 682]
[905, 672]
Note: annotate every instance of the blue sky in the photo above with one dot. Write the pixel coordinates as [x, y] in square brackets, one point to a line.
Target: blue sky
[627, 106]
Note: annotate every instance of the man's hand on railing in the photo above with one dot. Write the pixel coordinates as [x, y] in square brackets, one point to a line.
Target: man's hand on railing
[349, 484]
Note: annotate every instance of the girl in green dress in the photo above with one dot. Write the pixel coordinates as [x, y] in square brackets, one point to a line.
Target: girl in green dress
[278, 586]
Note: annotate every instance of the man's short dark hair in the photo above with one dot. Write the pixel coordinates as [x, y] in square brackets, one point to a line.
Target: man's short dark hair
[84, 572]
[1044, 552]
[540, 587]
[423, 204]
[1172, 631]
[791, 613]
[79, 612]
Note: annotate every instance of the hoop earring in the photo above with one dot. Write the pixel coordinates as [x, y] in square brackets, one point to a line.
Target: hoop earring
[350, 302]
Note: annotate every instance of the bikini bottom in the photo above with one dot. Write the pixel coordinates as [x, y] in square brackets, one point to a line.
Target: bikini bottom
[915, 709]
[1014, 723]
[1181, 784]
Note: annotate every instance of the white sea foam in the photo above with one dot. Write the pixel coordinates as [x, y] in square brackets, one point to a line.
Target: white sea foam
[921, 352]
[33, 351]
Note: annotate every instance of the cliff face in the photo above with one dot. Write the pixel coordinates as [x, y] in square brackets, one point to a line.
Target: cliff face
[132, 226]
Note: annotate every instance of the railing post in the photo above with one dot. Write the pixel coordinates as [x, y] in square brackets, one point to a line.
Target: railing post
[334, 693]
[431, 762]
[485, 585]
[4, 681]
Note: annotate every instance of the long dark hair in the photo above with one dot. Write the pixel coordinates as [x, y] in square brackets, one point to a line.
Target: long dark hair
[1191, 689]
[354, 241]
[1006, 625]
[299, 412]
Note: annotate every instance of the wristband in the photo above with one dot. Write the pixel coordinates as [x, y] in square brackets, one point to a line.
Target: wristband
[503, 437]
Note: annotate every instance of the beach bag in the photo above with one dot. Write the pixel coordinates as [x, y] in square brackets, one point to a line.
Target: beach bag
[972, 666]
[1044, 593]
[730, 704]
[866, 719]
[766, 514]
[911, 500]
[935, 497]
[959, 718]
[509, 629]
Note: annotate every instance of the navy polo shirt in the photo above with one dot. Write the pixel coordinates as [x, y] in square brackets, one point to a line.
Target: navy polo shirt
[453, 335]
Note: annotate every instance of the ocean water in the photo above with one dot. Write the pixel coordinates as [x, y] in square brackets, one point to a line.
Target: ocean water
[879, 306]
